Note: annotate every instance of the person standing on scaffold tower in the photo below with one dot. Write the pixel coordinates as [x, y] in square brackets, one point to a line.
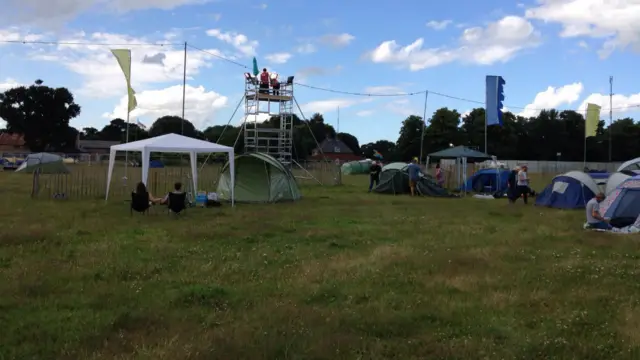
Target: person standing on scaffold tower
[264, 81]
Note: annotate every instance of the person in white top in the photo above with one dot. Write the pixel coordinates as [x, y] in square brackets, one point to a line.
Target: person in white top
[523, 184]
[595, 219]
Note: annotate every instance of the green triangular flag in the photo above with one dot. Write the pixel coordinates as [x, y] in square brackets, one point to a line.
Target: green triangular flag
[255, 67]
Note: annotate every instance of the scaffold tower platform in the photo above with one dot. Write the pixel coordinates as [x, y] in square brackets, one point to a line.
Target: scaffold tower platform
[261, 104]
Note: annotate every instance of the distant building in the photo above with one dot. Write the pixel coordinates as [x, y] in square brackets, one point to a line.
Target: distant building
[334, 149]
[95, 146]
[12, 143]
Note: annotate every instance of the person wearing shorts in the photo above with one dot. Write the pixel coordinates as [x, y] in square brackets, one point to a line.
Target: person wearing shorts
[414, 175]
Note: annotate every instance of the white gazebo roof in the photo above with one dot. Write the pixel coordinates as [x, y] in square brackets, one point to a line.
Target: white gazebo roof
[172, 143]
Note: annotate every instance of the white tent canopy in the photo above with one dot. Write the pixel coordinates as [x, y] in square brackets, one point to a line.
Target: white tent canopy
[173, 143]
[630, 165]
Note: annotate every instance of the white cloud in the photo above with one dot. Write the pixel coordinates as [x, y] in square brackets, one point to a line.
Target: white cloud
[9, 84]
[322, 106]
[337, 40]
[239, 41]
[621, 103]
[614, 21]
[56, 12]
[365, 113]
[14, 34]
[498, 42]
[552, 98]
[278, 58]
[263, 6]
[378, 90]
[583, 44]
[439, 25]
[466, 113]
[402, 107]
[101, 73]
[307, 48]
[200, 106]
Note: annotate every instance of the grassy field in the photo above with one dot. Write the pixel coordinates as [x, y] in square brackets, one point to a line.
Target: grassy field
[340, 275]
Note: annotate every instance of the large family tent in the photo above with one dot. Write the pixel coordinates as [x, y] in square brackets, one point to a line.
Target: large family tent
[615, 180]
[622, 206]
[488, 179]
[356, 167]
[395, 180]
[568, 191]
[633, 165]
[259, 178]
[45, 163]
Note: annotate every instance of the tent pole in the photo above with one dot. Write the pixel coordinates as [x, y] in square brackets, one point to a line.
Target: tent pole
[424, 124]
[184, 87]
[126, 153]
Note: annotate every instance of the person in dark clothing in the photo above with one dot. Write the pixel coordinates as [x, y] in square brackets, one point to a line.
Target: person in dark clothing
[374, 174]
[512, 186]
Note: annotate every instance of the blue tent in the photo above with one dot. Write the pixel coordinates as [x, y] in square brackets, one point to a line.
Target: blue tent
[485, 178]
[622, 206]
[156, 164]
[568, 191]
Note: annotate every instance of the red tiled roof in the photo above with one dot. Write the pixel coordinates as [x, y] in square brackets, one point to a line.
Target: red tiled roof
[11, 139]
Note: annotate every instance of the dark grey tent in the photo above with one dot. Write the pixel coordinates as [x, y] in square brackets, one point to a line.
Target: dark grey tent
[396, 181]
[460, 152]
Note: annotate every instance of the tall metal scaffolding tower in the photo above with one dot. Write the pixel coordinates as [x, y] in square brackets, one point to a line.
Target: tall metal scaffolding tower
[277, 140]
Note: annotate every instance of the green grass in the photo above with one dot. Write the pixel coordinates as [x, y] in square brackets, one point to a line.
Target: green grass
[340, 275]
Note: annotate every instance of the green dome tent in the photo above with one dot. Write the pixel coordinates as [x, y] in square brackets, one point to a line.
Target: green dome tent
[260, 178]
[394, 179]
[356, 167]
[45, 163]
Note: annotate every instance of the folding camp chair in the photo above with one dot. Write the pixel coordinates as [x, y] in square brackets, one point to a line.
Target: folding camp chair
[176, 202]
[140, 203]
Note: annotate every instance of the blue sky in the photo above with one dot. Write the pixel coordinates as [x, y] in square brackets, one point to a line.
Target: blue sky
[556, 53]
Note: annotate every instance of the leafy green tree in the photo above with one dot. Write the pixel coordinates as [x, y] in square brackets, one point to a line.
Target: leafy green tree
[173, 124]
[40, 113]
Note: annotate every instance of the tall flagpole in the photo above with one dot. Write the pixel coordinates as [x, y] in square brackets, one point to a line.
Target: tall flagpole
[184, 87]
[126, 140]
[338, 124]
[610, 115]
[424, 124]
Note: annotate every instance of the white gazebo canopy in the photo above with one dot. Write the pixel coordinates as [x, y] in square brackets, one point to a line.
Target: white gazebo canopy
[173, 143]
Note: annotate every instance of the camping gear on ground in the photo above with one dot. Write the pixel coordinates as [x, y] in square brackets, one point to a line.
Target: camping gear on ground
[259, 178]
[45, 163]
[568, 191]
[201, 198]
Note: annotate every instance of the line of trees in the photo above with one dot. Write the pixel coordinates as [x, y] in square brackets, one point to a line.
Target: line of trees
[42, 114]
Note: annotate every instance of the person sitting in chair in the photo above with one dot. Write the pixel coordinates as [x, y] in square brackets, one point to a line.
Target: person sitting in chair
[177, 189]
[141, 199]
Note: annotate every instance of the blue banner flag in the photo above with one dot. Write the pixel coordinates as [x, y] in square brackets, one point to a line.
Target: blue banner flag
[494, 99]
